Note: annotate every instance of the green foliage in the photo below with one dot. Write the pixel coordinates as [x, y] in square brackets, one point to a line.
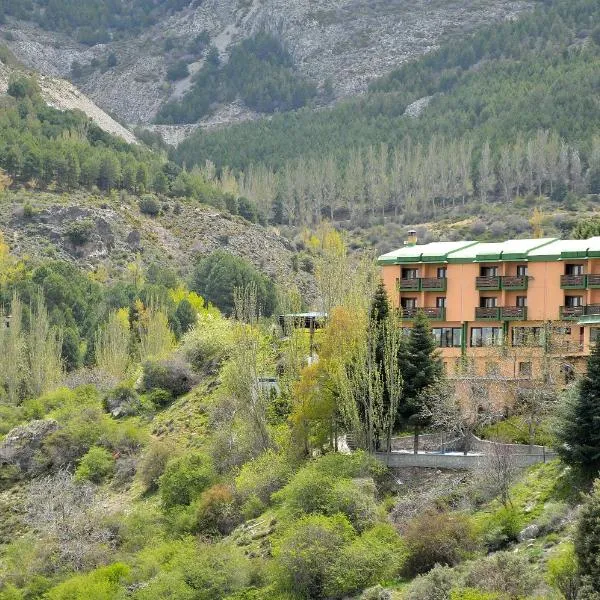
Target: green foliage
[587, 540]
[435, 585]
[184, 479]
[80, 232]
[122, 401]
[95, 466]
[100, 584]
[586, 228]
[563, 573]
[149, 205]
[259, 71]
[217, 276]
[154, 462]
[578, 433]
[216, 511]
[502, 528]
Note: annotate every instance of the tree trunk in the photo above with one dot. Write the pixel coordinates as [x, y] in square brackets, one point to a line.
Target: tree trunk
[416, 442]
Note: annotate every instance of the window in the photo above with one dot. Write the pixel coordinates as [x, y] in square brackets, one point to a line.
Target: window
[410, 273]
[573, 301]
[488, 271]
[594, 334]
[448, 337]
[527, 336]
[573, 269]
[487, 302]
[521, 270]
[486, 336]
[522, 301]
[525, 369]
[440, 302]
[408, 303]
[441, 272]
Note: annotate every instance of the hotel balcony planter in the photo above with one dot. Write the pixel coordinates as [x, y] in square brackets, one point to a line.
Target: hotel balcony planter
[573, 282]
[572, 312]
[513, 313]
[409, 285]
[433, 314]
[593, 281]
[488, 283]
[519, 282]
[434, 284]
[487, 314]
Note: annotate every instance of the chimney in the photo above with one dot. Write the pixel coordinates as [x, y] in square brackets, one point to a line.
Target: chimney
[412, 238]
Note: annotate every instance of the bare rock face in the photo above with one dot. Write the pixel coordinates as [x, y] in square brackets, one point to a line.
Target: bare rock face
[349, 42]
[21, 447]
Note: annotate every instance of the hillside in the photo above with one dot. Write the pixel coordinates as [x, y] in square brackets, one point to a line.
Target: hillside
[348, 45]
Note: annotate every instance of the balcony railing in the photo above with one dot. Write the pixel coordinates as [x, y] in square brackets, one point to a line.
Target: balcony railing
[517, 313]
[434, 313]
[484, 313]
[572, 312]
[426, 284]
[487, 283]
[517, 282]
[573, 282]
[434, 284]
[409, 285]
[593, 281]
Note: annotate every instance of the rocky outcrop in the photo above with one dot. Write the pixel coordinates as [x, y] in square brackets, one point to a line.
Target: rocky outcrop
[349, 42]
[22, 445]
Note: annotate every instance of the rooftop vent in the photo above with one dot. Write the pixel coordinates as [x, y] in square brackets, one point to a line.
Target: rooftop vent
[411, 240]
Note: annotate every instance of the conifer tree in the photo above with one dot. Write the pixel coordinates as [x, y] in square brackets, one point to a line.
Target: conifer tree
[587, 545]
[380, 306]
[579, 432]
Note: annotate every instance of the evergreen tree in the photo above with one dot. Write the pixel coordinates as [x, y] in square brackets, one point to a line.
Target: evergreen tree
[587, 545]
[380, 306]
[579, 433]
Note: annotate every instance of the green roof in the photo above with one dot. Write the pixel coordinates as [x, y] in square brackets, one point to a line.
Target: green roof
[510, 250]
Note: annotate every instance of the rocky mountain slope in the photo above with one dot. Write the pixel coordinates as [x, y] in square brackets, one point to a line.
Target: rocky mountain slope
[348, 42]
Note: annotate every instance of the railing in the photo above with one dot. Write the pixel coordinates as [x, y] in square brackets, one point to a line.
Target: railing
[572, 312]
[434, 314]
[487, 283]
[593, 281]
[410, 285]
[517, 282]
[518, 313]
[573, 282]
[433, 284]
[483, 313]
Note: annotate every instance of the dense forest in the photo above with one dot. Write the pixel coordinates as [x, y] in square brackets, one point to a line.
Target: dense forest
[259, 71]
[92, 21]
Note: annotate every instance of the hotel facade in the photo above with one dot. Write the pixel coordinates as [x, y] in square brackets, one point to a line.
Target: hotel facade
[501, 309]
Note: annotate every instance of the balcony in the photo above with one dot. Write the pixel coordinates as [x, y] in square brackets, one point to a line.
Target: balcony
[434, 284]
[573, 282]
[513, 313]
[517, 282]
[572, 312]
[593, 281]
[488, 283]
[484, 313]
[433, 314]
[409, 285]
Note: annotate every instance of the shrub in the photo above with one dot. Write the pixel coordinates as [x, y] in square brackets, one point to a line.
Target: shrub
[216, 512]
[502, 528]
[587, 539]
[304, 553]
[97, 585]
[149, 205]
[28, 211]
[436, 585]
[154, 462]
[184, 479]
[160, 398]
[503, 573]
[172, 375]
[437, 538]
[97, 464]
[562, 572]
[178, 71]
[122, 401]
[261, 477]
[80, 232]
[208, 344]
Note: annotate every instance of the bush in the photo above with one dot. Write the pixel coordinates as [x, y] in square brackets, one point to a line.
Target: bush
[304, 553]
[160, 398]
[437, 539]
[562, 572]
[207, 345]
[216, 512]
[97, 585]
[184, 479]
[436, 585]
[97, 464]
[502, 528]
[178, 71]
[122, 401]
[503, 573]
[80, 232]
[154, 462]
[149, 205]
[172, 375]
